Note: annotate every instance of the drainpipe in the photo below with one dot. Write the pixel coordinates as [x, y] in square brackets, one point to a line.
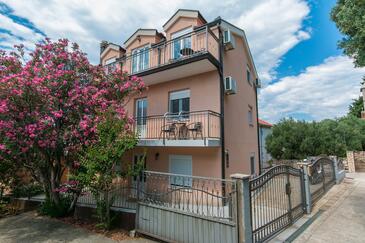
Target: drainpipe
[258, 129]
[221, 76]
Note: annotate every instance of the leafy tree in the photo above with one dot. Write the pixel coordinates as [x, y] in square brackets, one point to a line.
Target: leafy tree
[356, 107]
[98, 163]
[7, 175]
[292, 139]
[50, 107]
[349, 18]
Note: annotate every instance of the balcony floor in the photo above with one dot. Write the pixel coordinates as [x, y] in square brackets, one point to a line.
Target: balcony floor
[208, 142]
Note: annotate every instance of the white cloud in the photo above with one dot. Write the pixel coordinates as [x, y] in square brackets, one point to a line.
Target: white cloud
[271, 29]
[322, 91]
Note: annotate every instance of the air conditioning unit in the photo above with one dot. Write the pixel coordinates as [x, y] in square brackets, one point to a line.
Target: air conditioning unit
[258, 83]
[230, 85]
[228, 40]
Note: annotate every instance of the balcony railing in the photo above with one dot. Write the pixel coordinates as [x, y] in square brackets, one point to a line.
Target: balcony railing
[200, 41]
[198, 125]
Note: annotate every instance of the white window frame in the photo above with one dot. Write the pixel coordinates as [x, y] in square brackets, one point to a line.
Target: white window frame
[181, 41]
[181, 94]
[139, 54]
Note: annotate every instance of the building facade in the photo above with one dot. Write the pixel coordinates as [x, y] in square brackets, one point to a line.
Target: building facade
[264, 131]
[199, 113]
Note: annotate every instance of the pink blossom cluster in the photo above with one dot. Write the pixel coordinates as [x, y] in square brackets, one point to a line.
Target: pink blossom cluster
[54, 101]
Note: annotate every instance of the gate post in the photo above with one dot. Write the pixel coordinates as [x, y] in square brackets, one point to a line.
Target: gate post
[334, 160]
[243, 208]
[307, 192]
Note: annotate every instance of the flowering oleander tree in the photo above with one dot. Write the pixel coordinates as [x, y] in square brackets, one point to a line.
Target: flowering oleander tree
[51, 105]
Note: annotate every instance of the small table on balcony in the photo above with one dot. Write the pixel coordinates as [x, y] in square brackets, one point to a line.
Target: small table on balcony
[182, 130]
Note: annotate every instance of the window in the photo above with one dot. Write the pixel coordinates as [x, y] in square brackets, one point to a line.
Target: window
[181, 165]
[250, 116]
[180, 43]
[179, 101]
[141, 116]
[110, 65]
[252, 163]
[140, 59]
[249, 76]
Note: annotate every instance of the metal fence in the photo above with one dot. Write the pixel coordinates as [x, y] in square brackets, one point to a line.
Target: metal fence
[179, 208]
[277, 200]
[199, 41]
[182, 126]
[123, 194]
[321, 177]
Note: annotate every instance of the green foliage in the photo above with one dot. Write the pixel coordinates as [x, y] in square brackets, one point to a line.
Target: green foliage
[52, 209]
[293, 139]
[27, 190]
[356, 107]
[99, 160]
[349, 18]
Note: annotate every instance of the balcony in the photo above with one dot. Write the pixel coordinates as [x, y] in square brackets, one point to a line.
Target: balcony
[186, 129]
[192, 53]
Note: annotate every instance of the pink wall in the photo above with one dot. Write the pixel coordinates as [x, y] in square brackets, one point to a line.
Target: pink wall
[240, 138]
[206, 161]
[204, 94]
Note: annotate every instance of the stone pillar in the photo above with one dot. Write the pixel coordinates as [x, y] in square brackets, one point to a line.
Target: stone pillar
[243, 208]
[351, 161]
[307, 193]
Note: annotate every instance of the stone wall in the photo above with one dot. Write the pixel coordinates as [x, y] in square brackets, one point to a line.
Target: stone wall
[356, 161]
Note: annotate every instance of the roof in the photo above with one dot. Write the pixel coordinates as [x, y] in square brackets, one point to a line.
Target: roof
[264, 123]
[112, 46]
[150, 32]
[183, 13]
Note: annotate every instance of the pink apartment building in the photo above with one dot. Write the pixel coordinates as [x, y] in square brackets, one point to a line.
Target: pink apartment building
[199, 114]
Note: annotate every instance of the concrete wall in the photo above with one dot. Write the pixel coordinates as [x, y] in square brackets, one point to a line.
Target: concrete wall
[204, 94]
[356, 161]
[206, 161]
[241, 137]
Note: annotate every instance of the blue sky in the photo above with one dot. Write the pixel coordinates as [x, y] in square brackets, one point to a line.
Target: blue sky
[322, 44]
[294, 43]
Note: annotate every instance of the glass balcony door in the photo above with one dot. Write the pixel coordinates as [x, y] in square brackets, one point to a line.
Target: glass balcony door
[180, 43]
[140, 59]
[141, 117]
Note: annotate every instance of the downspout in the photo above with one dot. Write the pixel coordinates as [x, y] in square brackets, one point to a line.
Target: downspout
[221, 76]
[258, 129]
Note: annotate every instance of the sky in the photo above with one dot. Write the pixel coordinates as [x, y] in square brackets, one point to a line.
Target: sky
[294, 43]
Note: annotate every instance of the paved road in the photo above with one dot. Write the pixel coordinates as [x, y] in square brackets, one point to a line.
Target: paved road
[344, 217]
[27, 227]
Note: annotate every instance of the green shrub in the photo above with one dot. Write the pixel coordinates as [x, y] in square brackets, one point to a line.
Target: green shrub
[49, 208]
[30, 190]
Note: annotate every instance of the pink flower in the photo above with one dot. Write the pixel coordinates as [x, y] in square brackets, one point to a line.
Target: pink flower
[57, 114]
[2, 147]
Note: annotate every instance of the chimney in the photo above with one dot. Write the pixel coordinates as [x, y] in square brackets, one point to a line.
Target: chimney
[103, 45]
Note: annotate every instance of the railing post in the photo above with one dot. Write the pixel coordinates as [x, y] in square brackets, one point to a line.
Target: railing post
[307, 193]
[206, 38]
[243, 208]
[339, 175]
[164, 123]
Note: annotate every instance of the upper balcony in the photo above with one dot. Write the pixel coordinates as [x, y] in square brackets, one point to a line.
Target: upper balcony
[185, 129]
[190, 53]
